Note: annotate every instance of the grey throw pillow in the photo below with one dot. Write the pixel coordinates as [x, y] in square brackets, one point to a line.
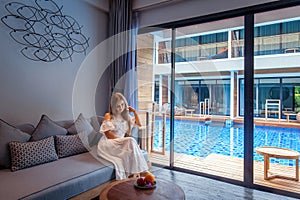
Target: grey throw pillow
[68, 145]
[96, 121]
[29, 154]
[46, 128]
[27, 128]
[9, 133]
[83, 126]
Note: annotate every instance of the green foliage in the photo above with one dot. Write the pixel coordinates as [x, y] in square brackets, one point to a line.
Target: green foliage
[297, 98]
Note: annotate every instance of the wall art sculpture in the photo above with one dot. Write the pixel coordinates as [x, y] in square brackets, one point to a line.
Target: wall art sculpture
[44, 31]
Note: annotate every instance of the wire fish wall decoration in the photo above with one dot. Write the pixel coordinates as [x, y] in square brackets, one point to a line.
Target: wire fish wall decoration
[44, 31]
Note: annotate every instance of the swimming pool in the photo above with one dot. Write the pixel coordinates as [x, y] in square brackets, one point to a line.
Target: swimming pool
[197, 139]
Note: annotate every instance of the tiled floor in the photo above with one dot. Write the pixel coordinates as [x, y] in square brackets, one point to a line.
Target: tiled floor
[201, 188]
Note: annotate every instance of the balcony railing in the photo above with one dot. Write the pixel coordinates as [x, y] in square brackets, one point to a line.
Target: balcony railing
[268, 45]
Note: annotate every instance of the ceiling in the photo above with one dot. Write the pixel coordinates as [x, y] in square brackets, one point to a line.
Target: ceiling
[141, 5]
[138, 5]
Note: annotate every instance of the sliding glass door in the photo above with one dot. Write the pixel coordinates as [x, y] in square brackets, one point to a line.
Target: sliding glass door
[206, 87]
[276, 89]
[154, 89]
[208, 61]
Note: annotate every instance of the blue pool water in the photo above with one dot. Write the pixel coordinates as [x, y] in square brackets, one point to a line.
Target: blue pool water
[198, 139]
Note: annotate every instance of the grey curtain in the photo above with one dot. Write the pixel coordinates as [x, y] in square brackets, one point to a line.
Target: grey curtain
[122, 32]
[131, 78]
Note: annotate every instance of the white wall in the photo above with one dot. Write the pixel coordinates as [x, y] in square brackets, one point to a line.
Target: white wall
[29, 88]
[178, 10]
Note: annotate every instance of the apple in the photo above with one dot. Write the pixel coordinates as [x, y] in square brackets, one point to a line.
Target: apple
[140, 182]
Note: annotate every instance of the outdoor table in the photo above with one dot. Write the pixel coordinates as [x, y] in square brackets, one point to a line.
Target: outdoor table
[282, 153]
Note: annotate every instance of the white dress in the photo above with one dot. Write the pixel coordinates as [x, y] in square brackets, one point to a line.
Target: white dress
[123, 152]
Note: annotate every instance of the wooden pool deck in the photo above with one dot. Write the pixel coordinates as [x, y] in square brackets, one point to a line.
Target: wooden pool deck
[231, 167]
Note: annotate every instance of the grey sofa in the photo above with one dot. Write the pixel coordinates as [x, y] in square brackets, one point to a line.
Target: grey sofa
[63, 178]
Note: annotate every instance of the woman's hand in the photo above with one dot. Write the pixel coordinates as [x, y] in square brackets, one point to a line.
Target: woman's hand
[131, 109]
[137, 119]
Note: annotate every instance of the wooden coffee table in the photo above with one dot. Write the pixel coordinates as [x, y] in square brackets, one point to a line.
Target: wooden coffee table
[282, 153]
[125, 189]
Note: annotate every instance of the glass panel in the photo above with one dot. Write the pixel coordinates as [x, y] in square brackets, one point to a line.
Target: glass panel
[208, 82]
[154, 92]
[296, 94]
[291, 80]
[276, 99]
[269, 80]
[207, 134]
[164, 52]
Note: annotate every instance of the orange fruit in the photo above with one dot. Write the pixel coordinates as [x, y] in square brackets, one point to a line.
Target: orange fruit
[149, 178]
[107, 116]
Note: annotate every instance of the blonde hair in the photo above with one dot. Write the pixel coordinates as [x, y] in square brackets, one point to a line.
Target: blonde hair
[125, 114]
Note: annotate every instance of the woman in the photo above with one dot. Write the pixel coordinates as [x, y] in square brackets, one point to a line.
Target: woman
[114, 146]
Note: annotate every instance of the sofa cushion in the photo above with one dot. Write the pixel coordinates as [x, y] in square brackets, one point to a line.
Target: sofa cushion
[46, 128]
[57, 180]
[65, 123]
[27, 128]
[68, 145]
[79, 125]
[83, 126]
[28, 154]
[9, 133]
[96, 122]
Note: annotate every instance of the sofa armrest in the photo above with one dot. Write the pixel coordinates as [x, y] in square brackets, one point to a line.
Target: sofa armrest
[135, 134]
[140, 135]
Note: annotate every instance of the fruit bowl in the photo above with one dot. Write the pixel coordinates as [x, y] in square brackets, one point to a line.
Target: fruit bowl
[146, 186]
[147, 182]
